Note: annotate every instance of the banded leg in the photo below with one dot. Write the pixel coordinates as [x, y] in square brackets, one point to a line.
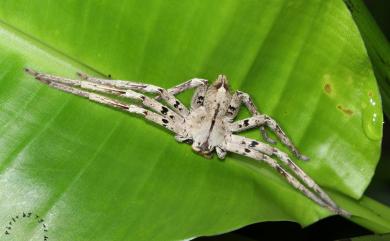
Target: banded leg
[145, 100]
[192, 83]
[147, 114]
[198, 97]
[269, 150]
[235, 148]
[145, 88]
[200, 91]
[260, 120]
[234, 107]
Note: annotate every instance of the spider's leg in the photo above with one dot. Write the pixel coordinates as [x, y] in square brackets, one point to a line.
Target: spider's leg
[235, 148]
[200, 91]
[198, 97]
[260, 120]
[142, 87]
[245, 142]
[221, 153]
[192, 83]
[145, 100]
[184, 139]
[147, 114]
[237, 99]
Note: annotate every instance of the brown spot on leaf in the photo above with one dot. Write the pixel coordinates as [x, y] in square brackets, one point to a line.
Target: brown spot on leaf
[370, 93]
[345, 110]
[328, 88]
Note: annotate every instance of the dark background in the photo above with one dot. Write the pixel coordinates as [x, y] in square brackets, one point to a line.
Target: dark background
[336, 227]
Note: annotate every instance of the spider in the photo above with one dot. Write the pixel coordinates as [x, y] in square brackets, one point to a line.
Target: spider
[208, 125]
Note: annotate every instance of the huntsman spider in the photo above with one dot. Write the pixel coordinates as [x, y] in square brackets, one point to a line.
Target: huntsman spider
[207, 125]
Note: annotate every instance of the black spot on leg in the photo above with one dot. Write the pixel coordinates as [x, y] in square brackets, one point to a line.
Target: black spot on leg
[123, 107]
[142, 97]
[246, 123]
[253, 144]
[145, 113]
[164, 110]
[165, 121]
[177, 103]
[200, 100]
[172, 117]
[281, 171]
[278, 130]
[231, 108]
[239, 126]
[247, 150]
[188, 141]
[243, 142]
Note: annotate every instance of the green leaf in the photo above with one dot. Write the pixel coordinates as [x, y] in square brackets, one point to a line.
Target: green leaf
[94, 173]
[377, 45]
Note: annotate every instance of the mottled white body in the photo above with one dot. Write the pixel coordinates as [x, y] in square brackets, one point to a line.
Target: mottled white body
[208, 125]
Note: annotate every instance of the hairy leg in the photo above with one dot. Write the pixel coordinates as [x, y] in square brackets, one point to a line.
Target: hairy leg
[66, 85]
[145, 100]
[237, 100]
[272, 151]
[190, 84]
[236, 148]
[200, 86]
[260, 120]
[142, 87]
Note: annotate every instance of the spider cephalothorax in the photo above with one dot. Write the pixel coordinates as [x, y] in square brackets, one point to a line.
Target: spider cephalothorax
[208, 125]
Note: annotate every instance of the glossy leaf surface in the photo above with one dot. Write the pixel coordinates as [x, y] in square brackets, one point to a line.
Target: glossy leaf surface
[94, 173]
